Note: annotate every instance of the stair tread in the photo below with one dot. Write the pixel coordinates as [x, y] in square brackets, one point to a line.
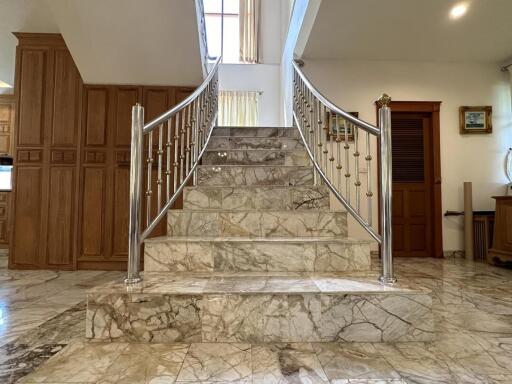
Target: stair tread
[245, 239]
[254, 283]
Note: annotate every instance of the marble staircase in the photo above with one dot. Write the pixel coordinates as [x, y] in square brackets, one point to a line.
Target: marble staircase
[258, 254]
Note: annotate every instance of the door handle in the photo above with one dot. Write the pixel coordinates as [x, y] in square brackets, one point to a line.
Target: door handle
[437, 180]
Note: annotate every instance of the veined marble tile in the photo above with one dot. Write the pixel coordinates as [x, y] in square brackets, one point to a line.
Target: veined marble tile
[240, 175]
[260, 284]
[286, 363]
[144, 317]
[146, 364]
[256, 131]
[256, 198]
[217, 363]
[377, 318]
[282, 143]
[225, 254]
[77, 363]
[354, 361]
[257, 223]
[255, 157]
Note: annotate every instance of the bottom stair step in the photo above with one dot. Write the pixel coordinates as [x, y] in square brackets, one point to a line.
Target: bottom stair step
[259, 308]
[175, 254]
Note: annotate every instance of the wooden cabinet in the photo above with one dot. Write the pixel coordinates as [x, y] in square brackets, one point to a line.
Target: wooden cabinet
[4, 219]
[501, 251]
[45, 194]
[6, 123]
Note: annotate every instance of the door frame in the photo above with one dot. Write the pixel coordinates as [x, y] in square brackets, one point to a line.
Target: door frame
[433, 108]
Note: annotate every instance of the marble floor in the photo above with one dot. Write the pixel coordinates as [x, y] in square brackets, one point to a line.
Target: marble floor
[42, 320]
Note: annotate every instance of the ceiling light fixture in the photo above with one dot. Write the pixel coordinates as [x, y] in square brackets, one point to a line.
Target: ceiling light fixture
[458, 11]
[4, 85]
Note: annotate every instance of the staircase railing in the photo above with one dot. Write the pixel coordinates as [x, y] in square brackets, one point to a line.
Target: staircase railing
[176, 140]
[332, 138]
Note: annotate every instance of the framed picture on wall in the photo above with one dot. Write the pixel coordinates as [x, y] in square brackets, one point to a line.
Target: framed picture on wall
[475, 119]
[333, 127]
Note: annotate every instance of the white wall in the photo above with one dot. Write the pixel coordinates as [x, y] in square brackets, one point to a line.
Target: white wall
[355, 85]
[264, 77]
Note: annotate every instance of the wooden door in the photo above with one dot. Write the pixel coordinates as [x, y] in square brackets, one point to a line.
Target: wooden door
[412, 220]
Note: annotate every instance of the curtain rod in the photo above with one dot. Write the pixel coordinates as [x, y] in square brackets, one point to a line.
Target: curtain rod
[506, 66]
[228, 90]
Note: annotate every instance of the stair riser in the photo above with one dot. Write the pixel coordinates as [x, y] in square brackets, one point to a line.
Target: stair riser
[256, 157]
[257, 224]
[255, 132]
[262, 317]
[233, 175]
[282, 143]
[240, 198]
[229, 256]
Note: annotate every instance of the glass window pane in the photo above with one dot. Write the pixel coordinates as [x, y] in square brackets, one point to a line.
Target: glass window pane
[212, 6]
[231, 6]
[213, 34]
[231, 39]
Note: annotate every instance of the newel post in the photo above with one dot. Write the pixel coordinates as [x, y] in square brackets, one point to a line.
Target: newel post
[387, 276]
[134, 231]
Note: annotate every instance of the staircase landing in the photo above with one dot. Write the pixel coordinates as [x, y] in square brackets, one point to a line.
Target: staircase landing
[248, 307]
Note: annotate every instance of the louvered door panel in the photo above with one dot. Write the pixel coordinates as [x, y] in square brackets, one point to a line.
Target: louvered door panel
[411, 191]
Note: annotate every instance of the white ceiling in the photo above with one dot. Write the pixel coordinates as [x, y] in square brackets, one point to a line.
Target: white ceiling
[150, 42]
[20, 16]
[112, 41]
[411, 30]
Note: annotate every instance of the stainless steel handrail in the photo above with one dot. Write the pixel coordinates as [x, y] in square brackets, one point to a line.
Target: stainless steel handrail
[164, 117]
[181, 135]
[315, 117]
[325, 101]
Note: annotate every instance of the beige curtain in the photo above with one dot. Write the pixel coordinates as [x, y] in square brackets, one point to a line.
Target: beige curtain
[238, 108]
[249, 30]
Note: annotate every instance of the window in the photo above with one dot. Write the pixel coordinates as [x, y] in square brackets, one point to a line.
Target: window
[222, 29]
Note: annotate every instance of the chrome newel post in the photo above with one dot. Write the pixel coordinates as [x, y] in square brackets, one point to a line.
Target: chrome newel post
[135, 196]
[387, 276]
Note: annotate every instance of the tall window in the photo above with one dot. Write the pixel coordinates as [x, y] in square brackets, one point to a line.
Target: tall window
[222, 18]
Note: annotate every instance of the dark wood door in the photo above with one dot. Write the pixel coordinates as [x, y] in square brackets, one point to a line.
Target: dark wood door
[412, 184]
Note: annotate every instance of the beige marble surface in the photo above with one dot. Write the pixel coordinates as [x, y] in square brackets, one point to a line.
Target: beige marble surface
[472, 305]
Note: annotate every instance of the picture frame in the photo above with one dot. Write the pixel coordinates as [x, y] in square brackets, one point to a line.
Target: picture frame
[331, 123]
[475, 120]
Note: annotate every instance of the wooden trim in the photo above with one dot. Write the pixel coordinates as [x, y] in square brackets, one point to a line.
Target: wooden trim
[432, 107]
[40, 39]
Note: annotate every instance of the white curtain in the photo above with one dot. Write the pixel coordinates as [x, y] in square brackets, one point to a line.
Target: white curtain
[249, 30]
[238, 108]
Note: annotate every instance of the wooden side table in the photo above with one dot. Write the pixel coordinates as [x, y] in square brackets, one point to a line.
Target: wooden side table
[501, 251]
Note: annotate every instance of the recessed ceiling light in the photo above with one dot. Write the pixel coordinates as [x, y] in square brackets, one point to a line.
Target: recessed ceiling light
[458, 11]
[4, 85]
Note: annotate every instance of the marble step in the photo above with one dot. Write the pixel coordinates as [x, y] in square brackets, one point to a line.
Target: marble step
[234, 175]
[239, 254]
[293, 307]
[256, 223]
[256, 197]
[233, 142]
[256, 131]
[255, 156]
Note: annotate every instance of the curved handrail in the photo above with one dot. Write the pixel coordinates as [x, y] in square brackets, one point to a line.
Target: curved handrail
[178, 107]
[325, 101]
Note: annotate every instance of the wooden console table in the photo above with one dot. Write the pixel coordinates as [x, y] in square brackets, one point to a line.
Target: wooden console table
[501, 251]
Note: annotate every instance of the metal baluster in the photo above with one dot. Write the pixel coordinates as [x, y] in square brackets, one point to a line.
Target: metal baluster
[159, 175]
[331, 149]
[369, 192]
[318, 149]
[339, 167]
[168, 146]
[176, 132]
[357, 183]
[347, 161]
[149, 190]
[324, 136]
[182, 144]
[188, 149]
[194, 140]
